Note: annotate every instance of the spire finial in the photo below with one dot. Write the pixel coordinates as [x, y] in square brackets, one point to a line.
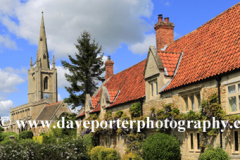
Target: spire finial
[31, 64]
[53, 62]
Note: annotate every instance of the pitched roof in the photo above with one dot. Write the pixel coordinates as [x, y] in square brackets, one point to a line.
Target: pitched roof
[122, 86]
[130, 82]
[97, 109]
[112, 94]
[95, 101]
[210, 50]
[169, 60]
[48, 111]
[83, 113]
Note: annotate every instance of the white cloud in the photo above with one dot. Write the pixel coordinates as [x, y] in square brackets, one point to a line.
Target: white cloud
[9, 79]
[5, 107]
[62, 82]
[167, 4]
[109, 22]
[59, 97]
[7, 42]
[142, 47]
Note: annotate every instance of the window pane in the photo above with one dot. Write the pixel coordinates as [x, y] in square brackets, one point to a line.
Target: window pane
[152, 88]
[191, 140]
[192, 101]
[186, 102]
[199, 101]
[198, 141]
[231, 89]
[156, 88]
[236, 140]
[232, 104]
[238, 87]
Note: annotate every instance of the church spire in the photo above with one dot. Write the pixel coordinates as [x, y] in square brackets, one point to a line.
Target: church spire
[42, 53]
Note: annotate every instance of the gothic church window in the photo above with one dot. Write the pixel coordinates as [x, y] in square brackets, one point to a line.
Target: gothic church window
[45, 83]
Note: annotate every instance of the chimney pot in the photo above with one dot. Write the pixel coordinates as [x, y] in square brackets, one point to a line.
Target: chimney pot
[160, 18]
[166, 19]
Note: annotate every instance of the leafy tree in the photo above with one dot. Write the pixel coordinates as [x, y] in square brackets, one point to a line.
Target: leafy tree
[85, 70]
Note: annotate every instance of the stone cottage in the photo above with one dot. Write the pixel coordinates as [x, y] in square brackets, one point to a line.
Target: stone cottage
[182, 72]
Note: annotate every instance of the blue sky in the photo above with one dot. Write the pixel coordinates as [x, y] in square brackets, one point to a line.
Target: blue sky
[123, 28]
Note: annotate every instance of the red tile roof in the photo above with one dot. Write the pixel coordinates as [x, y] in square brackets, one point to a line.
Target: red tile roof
[95, 101]
[130, 82]
[97, 109]
[169, 60]
[81, 115]
[212, 49]
[112, 94]
[124, 86]
[53, 103]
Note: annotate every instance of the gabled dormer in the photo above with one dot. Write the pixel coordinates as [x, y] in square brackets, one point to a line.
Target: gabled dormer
[152, 72]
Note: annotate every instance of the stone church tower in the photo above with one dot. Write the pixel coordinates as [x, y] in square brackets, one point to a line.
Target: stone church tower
[42, 92]
[42, 81]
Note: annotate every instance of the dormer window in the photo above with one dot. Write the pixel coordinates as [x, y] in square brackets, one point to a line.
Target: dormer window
[153, 88]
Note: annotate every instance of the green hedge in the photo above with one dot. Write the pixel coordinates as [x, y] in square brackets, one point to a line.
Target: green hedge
[5, 136]
[95, 151]
[161, 146]
[28, 149]
[108, 154]
[214, 154]
[26, 135]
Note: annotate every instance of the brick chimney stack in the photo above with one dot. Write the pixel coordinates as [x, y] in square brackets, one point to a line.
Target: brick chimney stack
[164, 32]
[109, 68]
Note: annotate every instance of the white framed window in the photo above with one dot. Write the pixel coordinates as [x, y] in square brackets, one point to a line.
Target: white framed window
[233, 98]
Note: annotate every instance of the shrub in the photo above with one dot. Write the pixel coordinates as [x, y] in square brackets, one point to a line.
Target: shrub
[49, 139]
[214, 154]
[89, 142]
[5, 136]
[28, 149]
[108, 154]
[135, 110]
[38, 139]
[132, 155]
[6, 142]
[161, 146]
[95, 151]
[118, 114]
[26, 135]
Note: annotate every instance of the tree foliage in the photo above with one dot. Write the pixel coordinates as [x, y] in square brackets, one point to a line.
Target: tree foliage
[85, 70]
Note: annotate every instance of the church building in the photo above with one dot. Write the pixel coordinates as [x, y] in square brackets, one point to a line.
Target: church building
[43, 101]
